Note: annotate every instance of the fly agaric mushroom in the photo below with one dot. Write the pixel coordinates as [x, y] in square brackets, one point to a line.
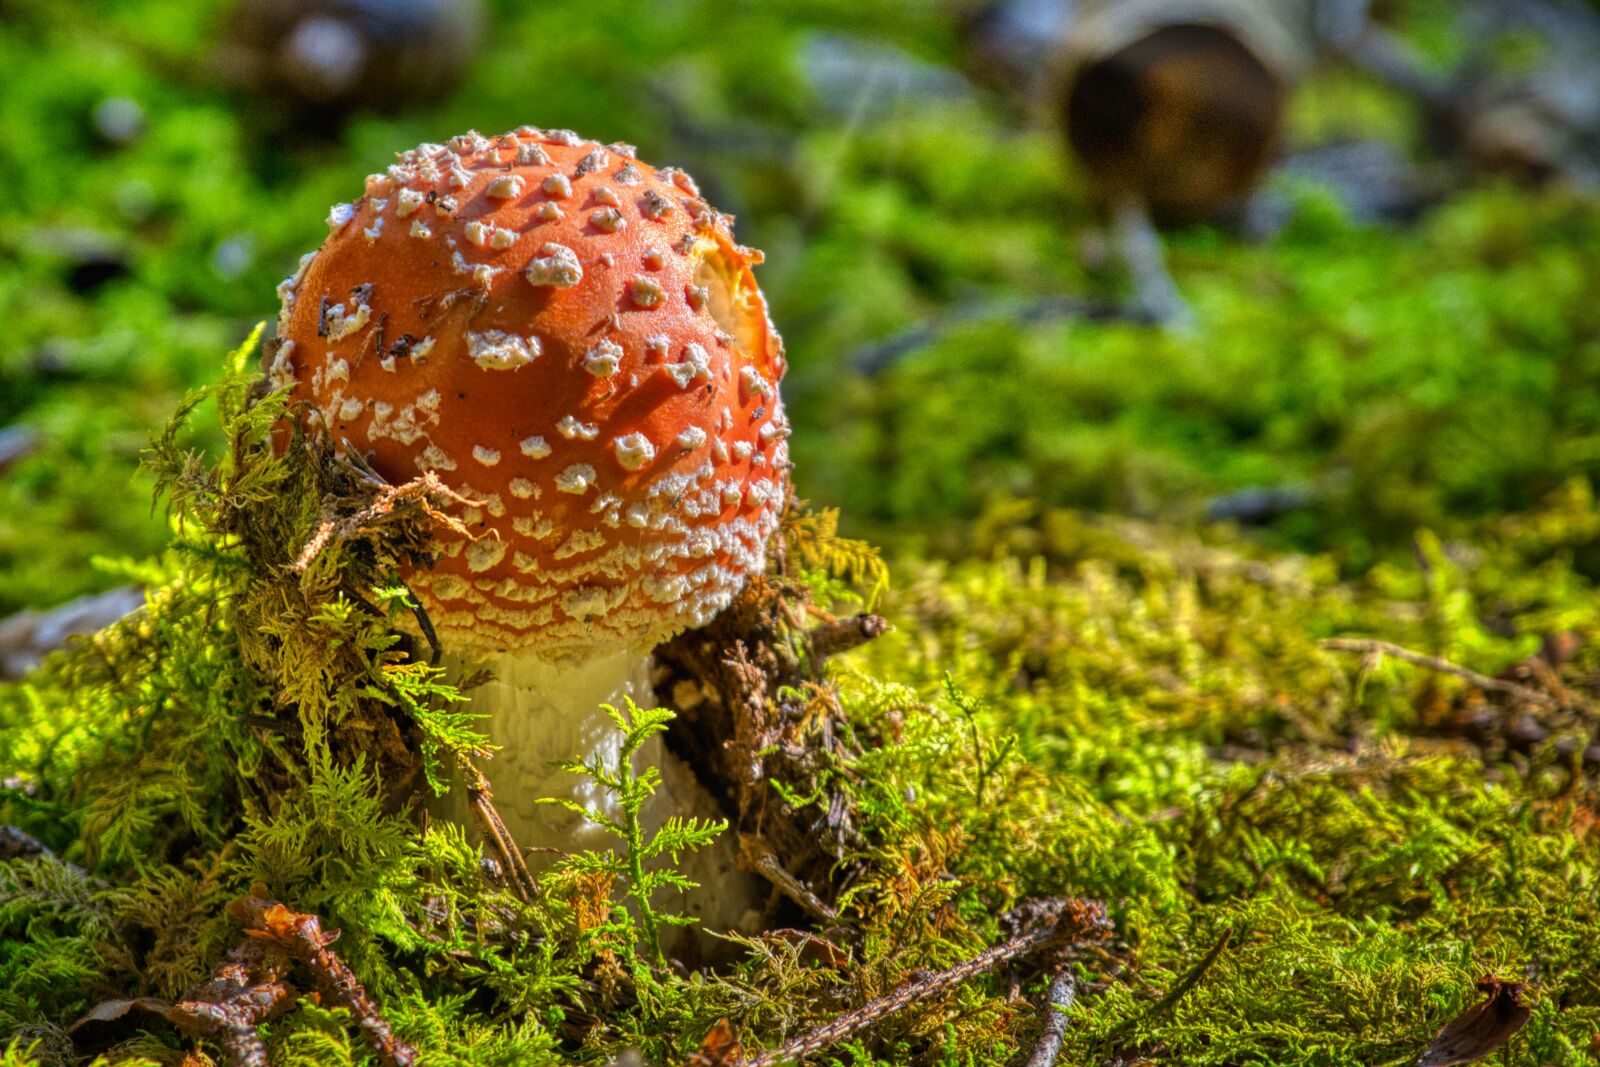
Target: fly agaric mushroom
[573, 341]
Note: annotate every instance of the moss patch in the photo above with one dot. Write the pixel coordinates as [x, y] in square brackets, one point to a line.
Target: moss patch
[1306, 858]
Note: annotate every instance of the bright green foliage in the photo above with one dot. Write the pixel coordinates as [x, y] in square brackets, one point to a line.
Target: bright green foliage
[1305, 861]
[1184, 749]
[638, 867]
[1373, 366]
[1303, 865]
[1367, 368]
[837, 567]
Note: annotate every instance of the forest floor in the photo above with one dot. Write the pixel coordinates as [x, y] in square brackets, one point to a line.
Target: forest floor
[1278, 638]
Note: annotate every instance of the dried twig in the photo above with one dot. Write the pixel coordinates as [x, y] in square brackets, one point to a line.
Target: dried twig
[420, 492]
[479, 794]
[756, 855]
[244, 991]
[881, 356]
[16, 845]
[425, 624]
[754, 728]
[837, 636]
[481, 797]
[302, 937]
[1193, 977]
[1374, 647]
[1065, 921]
[1062, 990]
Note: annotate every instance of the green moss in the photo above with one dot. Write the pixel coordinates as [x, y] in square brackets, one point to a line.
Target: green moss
[1364, 367]
[1368, 365]
[1303, 865]
[1307, 860]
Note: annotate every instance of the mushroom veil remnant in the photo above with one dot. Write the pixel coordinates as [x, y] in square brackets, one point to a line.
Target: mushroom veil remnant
[573, 341]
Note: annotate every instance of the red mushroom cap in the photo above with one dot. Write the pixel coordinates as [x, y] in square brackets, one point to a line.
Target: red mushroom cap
[573, 339]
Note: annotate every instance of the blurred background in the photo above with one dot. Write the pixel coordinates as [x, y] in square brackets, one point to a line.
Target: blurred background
[1329, 270]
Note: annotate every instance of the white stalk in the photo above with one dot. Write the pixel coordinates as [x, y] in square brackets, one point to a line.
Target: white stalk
[539, 712]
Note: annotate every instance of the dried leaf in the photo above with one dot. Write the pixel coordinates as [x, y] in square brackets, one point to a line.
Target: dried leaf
[813, 948]
[111, 1010]
[592, 903]
[719, 1049]
[1482, 1028]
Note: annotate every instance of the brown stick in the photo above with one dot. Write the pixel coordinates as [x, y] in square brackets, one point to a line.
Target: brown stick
[425, 624]
[1062, 991]
[841, 635]
[1072, 920]
[1374, 647]
[759, 857]
[233, 1025]
[244, 991]
[302, 937]
[481, 797]
[16, 845]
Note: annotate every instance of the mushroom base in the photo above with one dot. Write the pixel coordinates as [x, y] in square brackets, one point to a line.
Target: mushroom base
[539, 712]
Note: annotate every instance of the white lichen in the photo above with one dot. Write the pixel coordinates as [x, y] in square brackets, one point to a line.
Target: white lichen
[406, 202]
[646, 292]
[695, 365]
[339, 324]
[754, 382]
[434, 458]
[484, 553]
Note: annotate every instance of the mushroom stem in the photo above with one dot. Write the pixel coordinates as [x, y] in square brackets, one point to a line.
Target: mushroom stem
[1155, 293]
[538, 712]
